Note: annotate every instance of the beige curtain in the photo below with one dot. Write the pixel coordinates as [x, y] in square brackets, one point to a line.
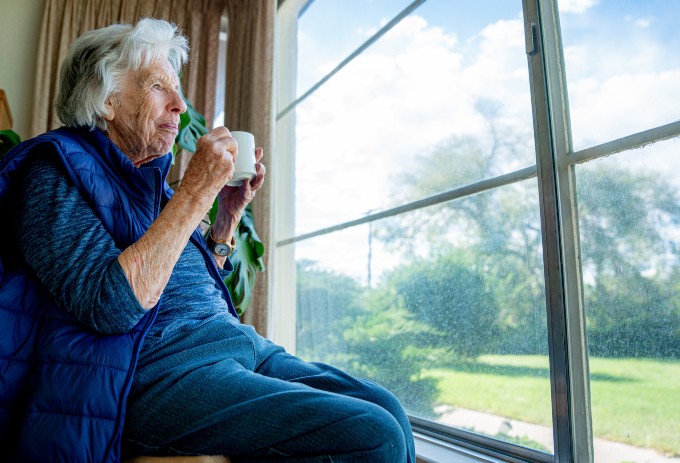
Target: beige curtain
[249, 106]
[249, 100]
[64, 20]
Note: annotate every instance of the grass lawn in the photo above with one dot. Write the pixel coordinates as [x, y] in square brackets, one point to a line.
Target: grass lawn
[635, 401]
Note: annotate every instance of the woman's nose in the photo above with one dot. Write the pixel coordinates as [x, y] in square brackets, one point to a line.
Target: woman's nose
[178, 104]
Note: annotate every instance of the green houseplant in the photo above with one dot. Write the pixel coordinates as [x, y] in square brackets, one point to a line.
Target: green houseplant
[247, 259]
[8, 138]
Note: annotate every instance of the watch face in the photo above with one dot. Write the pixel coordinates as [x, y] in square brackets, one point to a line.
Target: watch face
[221, 249]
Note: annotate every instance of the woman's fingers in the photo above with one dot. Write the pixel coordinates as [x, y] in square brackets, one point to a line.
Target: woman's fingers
[212, 165]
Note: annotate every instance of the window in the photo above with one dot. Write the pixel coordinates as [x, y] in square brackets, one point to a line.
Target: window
[478, 207]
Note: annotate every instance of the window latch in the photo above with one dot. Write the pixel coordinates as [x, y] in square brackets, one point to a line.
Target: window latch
[530, 38]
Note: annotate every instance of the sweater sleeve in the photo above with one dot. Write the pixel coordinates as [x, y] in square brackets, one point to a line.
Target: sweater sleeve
[66, 245]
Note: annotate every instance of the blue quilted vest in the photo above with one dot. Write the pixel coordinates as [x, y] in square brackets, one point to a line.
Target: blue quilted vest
[63, 387]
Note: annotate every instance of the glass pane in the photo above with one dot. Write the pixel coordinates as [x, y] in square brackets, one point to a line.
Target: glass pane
[440, 101]
[444, 306]
[331, 30]
[622, 66]
[629, 221]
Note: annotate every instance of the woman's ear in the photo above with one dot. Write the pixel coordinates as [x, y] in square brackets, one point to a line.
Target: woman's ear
[110, 113]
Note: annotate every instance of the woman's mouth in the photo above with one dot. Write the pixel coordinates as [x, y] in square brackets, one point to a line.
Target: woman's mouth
[170, 127]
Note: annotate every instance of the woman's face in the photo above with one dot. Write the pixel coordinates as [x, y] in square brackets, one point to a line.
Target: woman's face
[143, 118]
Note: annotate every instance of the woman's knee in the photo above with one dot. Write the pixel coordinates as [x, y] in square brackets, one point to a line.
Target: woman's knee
[380, 396]
[381, 436]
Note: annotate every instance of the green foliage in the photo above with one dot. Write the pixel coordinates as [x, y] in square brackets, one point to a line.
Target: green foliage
[247, 261]
[390, 346]
[633, 316]
[621, 215]
[448, 295]
[368, 333]
[631, 268]
[8, 139]
[495, 233]
[327, 303]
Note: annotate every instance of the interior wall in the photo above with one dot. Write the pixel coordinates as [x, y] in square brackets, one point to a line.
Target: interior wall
[19, 30]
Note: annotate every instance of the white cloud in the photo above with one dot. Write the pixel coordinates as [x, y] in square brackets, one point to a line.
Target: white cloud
[643, 23]
[620, 85]
[576, 6]
[619, 105]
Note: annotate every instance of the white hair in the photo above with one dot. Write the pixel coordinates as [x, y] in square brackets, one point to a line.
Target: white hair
[97, 61]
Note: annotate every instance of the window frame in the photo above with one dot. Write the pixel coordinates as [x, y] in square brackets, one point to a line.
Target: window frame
[555, 171]
[568, 353]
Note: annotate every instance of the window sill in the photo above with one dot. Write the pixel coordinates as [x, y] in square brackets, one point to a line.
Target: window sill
[431, 450]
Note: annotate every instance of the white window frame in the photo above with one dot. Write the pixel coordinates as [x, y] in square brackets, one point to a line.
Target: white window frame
[555, 164]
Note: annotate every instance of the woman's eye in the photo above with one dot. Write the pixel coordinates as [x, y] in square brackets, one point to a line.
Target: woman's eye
[157, 86]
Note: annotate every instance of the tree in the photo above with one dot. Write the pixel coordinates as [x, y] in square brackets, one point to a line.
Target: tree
[450, 297]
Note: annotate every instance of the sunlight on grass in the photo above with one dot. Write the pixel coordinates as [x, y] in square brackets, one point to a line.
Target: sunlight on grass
[522, 392]
[634, 401]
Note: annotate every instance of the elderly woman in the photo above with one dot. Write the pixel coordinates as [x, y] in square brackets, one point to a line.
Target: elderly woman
[118, 330]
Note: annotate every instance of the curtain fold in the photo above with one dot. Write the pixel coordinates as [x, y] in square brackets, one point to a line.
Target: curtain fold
[249, 106]
[249, 103]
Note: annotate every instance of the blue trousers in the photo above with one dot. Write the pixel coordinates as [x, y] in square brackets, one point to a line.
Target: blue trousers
[221, 389]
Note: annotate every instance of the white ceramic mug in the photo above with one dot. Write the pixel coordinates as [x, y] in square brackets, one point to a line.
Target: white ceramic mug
[244, 167]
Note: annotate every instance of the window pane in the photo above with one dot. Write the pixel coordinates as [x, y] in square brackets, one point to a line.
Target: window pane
[629, 221]
[331, 30]
[622, 65]
[444, 306]
[440, 101]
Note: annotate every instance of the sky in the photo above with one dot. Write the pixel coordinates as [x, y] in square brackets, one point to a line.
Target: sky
[457, 68]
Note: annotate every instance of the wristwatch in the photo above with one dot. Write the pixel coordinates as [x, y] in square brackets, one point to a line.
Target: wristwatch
[219, 247]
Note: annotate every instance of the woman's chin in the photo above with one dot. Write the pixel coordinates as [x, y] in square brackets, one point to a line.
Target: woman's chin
[166, 146]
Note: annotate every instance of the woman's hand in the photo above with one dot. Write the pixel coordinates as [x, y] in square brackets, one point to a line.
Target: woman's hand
[210, 167]
[234, 199]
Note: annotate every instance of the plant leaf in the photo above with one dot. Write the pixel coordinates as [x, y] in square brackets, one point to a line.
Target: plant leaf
[247, 261]
[8, 139]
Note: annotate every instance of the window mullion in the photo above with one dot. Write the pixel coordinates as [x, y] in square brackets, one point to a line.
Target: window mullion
[579, 378]
[566, 319]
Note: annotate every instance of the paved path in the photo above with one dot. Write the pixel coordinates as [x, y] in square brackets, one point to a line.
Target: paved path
[605, 451]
